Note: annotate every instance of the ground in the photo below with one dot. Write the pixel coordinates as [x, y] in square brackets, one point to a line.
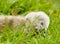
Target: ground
[18, 36]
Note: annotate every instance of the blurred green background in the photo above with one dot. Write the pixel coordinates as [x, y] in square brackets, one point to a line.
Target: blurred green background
[23, 6]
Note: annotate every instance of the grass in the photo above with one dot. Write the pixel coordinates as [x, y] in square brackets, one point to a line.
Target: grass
[22, 7]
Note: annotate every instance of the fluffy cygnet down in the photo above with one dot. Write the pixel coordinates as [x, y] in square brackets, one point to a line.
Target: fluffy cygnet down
[40, 20]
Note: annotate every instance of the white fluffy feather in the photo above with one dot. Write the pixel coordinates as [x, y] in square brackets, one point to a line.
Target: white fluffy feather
[43, 18]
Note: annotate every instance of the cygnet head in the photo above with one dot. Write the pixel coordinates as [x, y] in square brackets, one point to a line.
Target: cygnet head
[40, 20]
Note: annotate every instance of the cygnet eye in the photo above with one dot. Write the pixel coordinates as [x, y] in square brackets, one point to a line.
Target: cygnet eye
[41, 23]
